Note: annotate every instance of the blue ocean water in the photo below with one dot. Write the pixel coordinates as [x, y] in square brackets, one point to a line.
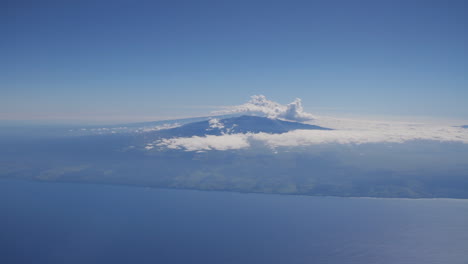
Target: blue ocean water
[78, 223]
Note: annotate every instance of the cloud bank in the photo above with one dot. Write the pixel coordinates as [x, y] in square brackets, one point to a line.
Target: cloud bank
[260, 105]
[362, 132]
[208, 142]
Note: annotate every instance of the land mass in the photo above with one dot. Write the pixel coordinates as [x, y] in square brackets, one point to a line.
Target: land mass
[411, 170]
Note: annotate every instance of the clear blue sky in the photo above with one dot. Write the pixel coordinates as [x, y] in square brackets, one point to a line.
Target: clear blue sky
[134, 60]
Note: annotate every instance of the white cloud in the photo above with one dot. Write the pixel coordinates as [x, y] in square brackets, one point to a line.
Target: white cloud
[114, 130]
[209, 142]
[349, 132]
[215, 124]
[260, 105]
[294, 111]
[157, 128]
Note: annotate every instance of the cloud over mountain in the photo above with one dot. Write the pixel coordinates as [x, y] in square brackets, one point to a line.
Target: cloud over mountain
[260, 105]
[361, 133]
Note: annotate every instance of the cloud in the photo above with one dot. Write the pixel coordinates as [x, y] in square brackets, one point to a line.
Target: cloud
[209, 142]
[361, 133]
[260, 105]
[215, 124]
[157, 128]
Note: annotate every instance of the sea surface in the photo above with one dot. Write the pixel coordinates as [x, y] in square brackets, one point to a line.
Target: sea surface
[85, 223]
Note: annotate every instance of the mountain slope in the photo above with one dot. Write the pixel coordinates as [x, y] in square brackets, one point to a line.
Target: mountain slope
[242, 124]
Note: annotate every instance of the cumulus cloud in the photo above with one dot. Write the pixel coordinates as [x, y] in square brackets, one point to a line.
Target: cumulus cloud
[260, 105]
[362, 132]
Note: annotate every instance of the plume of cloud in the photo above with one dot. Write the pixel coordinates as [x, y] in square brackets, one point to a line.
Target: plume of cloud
[295, 111]
[260, 105]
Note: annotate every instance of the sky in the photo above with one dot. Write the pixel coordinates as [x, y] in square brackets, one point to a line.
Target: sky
[119, 61]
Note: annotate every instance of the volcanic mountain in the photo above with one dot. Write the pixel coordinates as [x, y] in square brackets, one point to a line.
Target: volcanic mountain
[242, 124]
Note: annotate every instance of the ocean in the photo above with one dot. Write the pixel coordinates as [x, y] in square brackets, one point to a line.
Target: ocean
[89, 223]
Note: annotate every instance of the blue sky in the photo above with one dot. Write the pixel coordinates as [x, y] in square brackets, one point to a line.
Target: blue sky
[112, 61]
